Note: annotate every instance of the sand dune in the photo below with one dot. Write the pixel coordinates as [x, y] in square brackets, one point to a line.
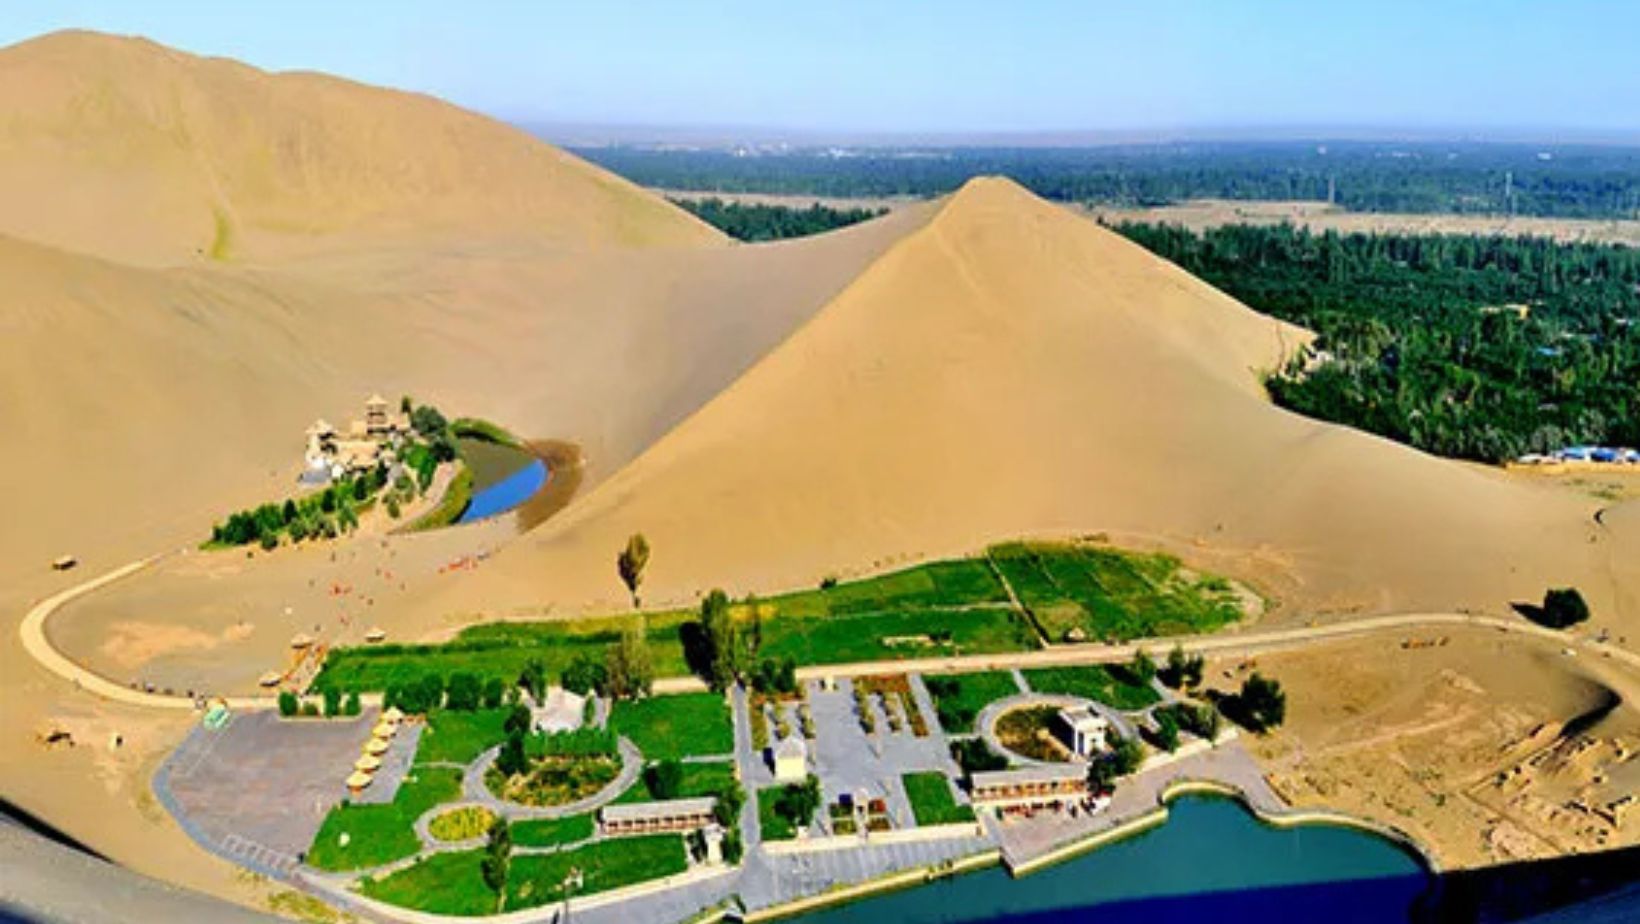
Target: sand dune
[129, 150]
[1011, 368]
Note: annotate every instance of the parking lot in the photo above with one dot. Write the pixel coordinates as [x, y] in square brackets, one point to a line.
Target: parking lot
[257, 789]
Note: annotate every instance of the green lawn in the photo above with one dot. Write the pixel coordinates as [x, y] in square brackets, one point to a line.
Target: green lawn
[537, 879]
[774, 825]
[550, 832]
[443, 883]
[699, 779]
[931, 800]
[383, 833]
[1112, 594]
[958, 698]
[501, 650]
[941, 608]
[459, 737]
[1096, 682]
[676, 726]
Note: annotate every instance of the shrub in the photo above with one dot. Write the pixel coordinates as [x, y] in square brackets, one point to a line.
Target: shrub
[1562, 607]
[494, 692]
[664, 779]
[350, 706]
[464, 693]
[333, 702]
[288, 704]
[310, 710]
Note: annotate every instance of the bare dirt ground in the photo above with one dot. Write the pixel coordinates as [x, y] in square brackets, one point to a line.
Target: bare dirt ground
[1318, 216]
[1458, 738]
[1200, 214]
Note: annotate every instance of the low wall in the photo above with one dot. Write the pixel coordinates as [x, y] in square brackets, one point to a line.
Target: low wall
[886, 883]
[852, 841]
[359, 902]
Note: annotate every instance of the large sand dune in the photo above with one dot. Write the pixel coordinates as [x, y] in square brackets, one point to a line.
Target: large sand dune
[1011, 368]
[140, 153]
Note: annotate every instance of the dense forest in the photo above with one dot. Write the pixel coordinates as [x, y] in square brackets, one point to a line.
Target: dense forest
[1482, 348]
[1563, 181]
[756, 222]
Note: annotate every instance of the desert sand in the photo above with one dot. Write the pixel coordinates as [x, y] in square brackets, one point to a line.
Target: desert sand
[248, 251]
[1010, 368]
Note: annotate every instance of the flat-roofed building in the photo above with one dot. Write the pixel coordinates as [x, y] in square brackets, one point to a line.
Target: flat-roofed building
[791, 760]
[1039, 784]
[1082, 730]
[657, 817]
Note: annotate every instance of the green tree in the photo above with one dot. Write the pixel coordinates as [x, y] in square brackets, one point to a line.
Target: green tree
[631, 562]
[798, 802]
[629, 667]
[288, 704]
[1126, 754]
[464, 693]
[1142, 669]
[583, 675]
[1172, 673]
[664, 779]
[1167, 731]
[333, 702]
[497, 858]
[1262, 703]
[1563, 607]
[351, 705]
[494, 691]
[534, 679]
[722, 640]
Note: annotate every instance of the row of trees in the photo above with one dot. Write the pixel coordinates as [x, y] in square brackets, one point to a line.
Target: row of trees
[1482, 348]
[326, 514]
[755, 222]
[335, 704]
[1498, 179]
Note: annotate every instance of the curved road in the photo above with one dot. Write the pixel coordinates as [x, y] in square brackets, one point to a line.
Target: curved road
[32, 631]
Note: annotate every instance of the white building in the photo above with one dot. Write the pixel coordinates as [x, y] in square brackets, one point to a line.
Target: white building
[561, 712]
[1084, 731]
[791, 760]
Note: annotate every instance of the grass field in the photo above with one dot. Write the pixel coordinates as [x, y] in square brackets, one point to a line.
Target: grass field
[1096, 682]
[705, 778]
[537, 879]
[1111, 594]
[550, 832]
[443, 883]
[931, 800]
[383, 833]
[693, 724]
[958, 698]
[450, 507]
[951, 607]
[501, 650]
[775, 827]
[459, 737]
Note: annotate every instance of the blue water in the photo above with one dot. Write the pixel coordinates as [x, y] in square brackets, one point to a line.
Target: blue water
[507, 493]
[1212, 862]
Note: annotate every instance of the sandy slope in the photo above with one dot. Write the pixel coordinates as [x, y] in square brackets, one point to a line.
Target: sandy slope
[388, 243]
[1012, 368]
[130, 150]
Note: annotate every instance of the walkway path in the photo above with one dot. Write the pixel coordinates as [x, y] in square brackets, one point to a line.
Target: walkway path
[38, 645]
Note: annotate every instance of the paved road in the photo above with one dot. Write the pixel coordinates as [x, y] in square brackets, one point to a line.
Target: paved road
[35, 641]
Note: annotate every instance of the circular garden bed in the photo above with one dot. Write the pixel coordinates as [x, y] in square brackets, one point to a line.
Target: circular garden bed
[1028, 732]
[555, 779]
[461, 824]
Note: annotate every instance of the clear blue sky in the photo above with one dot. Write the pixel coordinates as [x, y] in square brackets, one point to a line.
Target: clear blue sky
[876, 65]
